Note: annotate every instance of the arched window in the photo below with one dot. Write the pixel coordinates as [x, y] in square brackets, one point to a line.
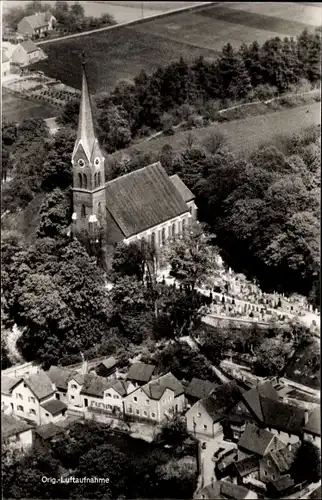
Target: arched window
[80, 180]
[183, 225]
[99, 209]
[179, 227]
[85, 181]
[83, 211]
[163, 236]
[173, 230]
[153, 240]
[99, 178]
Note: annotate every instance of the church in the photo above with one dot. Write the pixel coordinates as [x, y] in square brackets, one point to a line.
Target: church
[144, 204]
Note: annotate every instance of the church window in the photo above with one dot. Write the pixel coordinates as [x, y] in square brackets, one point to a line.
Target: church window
[173, 230]
[163, 236]
[153, 240]
[160, 238]
[99, 208]
[83, 211]
[80, 180]
[85, 181]
[179, 227]
[99, 178]
[81, 163]
[183, 225]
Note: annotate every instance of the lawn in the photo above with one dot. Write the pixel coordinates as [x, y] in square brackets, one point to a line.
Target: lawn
[299, 371]
[243, 135]
[16, 109]
[120, 53]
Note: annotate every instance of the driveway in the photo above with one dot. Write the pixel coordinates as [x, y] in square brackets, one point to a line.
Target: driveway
[207, 464]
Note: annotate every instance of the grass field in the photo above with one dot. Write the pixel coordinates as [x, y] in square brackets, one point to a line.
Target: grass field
[121, 53]
[17, 109]
[243, 135]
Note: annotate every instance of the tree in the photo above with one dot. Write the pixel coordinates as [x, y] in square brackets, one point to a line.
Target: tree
[271, 357]
[166, 158]
[55, 214]
[307, 463]
[191, 258]
[70, 113]
[57, 169]
[214, 141]
[115, 130]
[235, 81]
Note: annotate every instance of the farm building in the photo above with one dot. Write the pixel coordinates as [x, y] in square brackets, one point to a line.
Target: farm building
[37, 25]
[27, 53]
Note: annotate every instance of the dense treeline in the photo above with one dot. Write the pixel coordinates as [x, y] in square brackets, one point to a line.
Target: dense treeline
[157, 101]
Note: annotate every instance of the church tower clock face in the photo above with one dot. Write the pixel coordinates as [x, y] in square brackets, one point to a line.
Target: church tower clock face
[97, 162]
[81, 163]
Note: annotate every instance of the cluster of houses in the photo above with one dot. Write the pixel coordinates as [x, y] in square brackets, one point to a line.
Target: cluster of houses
[267, 430]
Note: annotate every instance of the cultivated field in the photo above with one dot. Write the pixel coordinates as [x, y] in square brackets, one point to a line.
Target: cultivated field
[243, 135]
[120, 54]
[15, 109]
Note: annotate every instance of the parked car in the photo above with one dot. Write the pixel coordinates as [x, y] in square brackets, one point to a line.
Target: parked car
[217, 454]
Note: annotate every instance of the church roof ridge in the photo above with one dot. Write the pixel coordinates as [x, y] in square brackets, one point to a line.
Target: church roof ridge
[156, 163]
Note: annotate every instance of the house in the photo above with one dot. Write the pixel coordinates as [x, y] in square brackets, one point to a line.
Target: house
[246, 468]
[107, 367]
[281, 487]
[5, 64]
[224, 490]
[277, 463]
[29, 396]
[100, 394]
[27, 53]
[7, 383]
[198, 389]
[37, 25]
[16, 432]
[60, 377]
[205, 416]
[312, 426]
[140, 374]
[52, 411]
[48, 432]
[143, 205]
[157, 400]
[257, 441]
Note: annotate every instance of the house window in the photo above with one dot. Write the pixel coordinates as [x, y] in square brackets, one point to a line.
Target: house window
[57, 396]
[268, 463]
[153, 415]
[147, 401]
[31, 399]
[83, 211]
[72, 397]
[135, 398]
[47, 414]
[109, 395]
[32, 411]
[110, 407]
[138, 412]
[74, 386]
[198, 415]
[19, 396]
[20, 408]
[145, 413]
[205, 427]
[116, 396]
[85, 402]
[130, 410]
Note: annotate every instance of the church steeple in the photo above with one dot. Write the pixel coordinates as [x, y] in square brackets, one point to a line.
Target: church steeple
[86, 140]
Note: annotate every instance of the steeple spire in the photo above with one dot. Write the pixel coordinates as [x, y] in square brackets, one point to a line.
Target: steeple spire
[85, 133]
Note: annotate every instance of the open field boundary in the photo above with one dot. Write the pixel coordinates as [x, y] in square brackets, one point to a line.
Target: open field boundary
[191, 8]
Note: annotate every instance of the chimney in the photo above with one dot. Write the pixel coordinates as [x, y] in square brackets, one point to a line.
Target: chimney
[306, 416]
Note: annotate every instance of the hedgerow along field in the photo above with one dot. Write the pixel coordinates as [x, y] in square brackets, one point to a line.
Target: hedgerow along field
[16, 109]
[119, 54]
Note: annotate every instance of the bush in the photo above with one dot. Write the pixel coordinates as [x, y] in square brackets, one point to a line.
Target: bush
[265, 92]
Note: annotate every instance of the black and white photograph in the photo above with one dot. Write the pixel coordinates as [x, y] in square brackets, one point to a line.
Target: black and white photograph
[160, 250]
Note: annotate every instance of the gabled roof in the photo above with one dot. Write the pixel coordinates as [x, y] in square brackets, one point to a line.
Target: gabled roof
[221, 400]
[120, 386]
[247, 465]
[143, 199]
[255, 440]
[54, 406]
[224, 490]
[154, 391]
[156, 388]
[252, 398]
[36, 20]
[48, 431]
[284, 457]
[282, 416]
[95, 385]
[185, 192]
[60, 376]
[199, 388]
[109, 362]
[314, 423]
[140, 372]
[29, 46]
[40, 384]
[11, 426]
[283, 483]
[8, 383]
